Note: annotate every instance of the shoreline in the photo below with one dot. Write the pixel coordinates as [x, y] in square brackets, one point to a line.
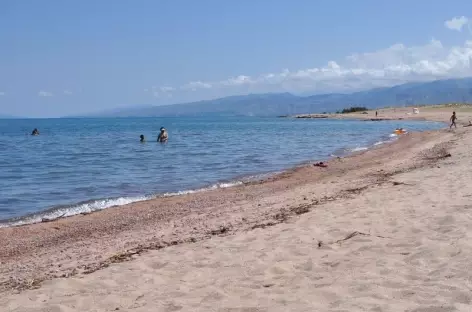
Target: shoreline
[78, 246]
[94, 205]
[55, 249]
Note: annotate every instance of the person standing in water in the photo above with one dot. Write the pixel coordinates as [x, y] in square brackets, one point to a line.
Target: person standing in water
[35, 132]
[163, 136]
[453, 120]
[141, 139]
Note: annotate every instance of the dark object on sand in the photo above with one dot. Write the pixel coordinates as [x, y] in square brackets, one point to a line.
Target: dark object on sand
[320, 164]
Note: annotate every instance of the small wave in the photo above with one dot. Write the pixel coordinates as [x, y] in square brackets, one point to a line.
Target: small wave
[68, 211]
[212, 187]
[359, 149]
[96, 205]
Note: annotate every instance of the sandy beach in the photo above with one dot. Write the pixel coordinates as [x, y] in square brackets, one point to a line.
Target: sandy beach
[431, 113]
[387, 229]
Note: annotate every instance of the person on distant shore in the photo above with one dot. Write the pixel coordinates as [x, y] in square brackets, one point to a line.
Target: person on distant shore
[35, 132]
[376, 113]
[453, 120]
[163, 136]
[141, 138]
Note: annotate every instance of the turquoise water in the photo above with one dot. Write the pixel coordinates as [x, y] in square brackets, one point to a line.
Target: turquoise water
[82, 165]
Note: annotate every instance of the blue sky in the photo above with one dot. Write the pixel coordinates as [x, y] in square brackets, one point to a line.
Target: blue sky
[71, 57]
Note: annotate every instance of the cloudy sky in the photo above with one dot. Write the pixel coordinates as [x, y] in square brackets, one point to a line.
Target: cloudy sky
[72, 57]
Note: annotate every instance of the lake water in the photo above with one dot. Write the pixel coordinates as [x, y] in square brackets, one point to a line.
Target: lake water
[83, 165]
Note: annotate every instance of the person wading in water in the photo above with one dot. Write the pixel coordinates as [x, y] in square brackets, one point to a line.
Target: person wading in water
[163, 136]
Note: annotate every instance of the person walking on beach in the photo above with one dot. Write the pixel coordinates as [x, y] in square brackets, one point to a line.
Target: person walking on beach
[453, 120]
[163, 136]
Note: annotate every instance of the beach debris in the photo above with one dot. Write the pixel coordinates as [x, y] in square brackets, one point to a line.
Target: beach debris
[356, 190]
[53, 219]
[353, 234]
[282, 216]
[437, 152]
[34, 283]
[268, 285]
[301, 209]
[320, 164]
[263, 225]
[400, 183]
[223, 229]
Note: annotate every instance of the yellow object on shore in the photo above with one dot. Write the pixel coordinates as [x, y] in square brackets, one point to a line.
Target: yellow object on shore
[400, 131]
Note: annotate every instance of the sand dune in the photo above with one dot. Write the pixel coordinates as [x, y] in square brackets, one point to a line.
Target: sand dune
[386, 230]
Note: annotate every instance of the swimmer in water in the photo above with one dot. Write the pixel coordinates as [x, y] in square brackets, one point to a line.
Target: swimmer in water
[141, 139]
[35, 132]
[163, 136]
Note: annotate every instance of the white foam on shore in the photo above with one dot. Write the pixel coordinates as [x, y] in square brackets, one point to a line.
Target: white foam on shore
[96, 205]
[213, 187]
[359, 149]
[81, 208]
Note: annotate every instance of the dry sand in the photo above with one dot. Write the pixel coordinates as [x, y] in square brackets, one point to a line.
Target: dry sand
[385, 230]
[432, 112]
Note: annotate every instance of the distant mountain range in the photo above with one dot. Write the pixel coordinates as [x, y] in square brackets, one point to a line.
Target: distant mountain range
[275, 104]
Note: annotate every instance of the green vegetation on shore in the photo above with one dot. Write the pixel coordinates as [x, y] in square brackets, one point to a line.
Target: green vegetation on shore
[353, 110]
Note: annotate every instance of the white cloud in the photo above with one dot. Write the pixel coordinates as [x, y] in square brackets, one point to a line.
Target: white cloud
[393, 65]
[167, 89]
[44, 93]
[67, 92]
[237, 81]
[457, 23]
[2, 93]
[385, 67]
[161, 91]
[195, 85]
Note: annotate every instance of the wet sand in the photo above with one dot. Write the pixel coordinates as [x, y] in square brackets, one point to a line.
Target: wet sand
[383, 230]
